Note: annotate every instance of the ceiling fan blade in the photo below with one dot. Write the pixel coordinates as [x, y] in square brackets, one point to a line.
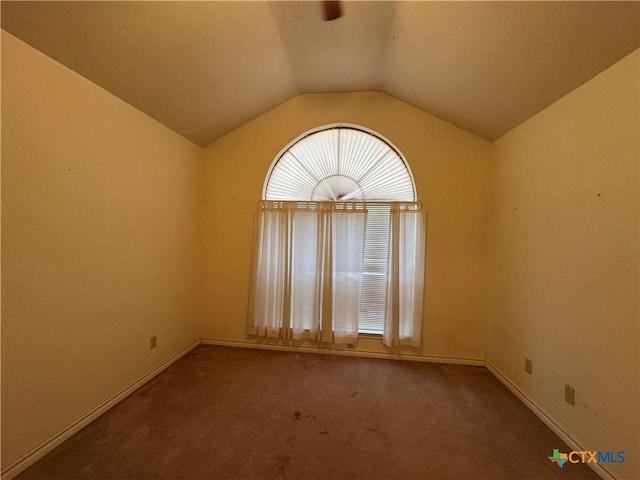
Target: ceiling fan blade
[332, 10]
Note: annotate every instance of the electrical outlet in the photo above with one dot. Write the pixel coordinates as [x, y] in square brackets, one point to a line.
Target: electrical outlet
[528, 366]
[569, 394]
[153, 342]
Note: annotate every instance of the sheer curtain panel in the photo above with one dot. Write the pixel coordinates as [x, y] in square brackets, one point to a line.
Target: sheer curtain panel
[405, 276]
[307, 270]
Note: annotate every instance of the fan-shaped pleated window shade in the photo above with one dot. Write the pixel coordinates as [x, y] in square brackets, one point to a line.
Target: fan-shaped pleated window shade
[342, 164]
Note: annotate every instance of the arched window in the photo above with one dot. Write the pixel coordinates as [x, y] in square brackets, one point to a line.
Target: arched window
[337, 164]
[340, 248]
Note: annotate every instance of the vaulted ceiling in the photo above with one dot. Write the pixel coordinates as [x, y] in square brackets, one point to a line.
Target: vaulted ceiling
[205, 68]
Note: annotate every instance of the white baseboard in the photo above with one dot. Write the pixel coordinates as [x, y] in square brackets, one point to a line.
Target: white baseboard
[45, 447]
[38, 452]
[548, 421]
[347, 353]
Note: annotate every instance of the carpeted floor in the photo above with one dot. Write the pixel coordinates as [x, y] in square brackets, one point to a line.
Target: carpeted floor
[231, 413]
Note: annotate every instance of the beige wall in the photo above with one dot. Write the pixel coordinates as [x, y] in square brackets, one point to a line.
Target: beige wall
[564, 243]
[99, 246]
[451, 171]
[102, 210]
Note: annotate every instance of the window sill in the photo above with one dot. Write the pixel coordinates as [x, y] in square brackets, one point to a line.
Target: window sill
[371, 336]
